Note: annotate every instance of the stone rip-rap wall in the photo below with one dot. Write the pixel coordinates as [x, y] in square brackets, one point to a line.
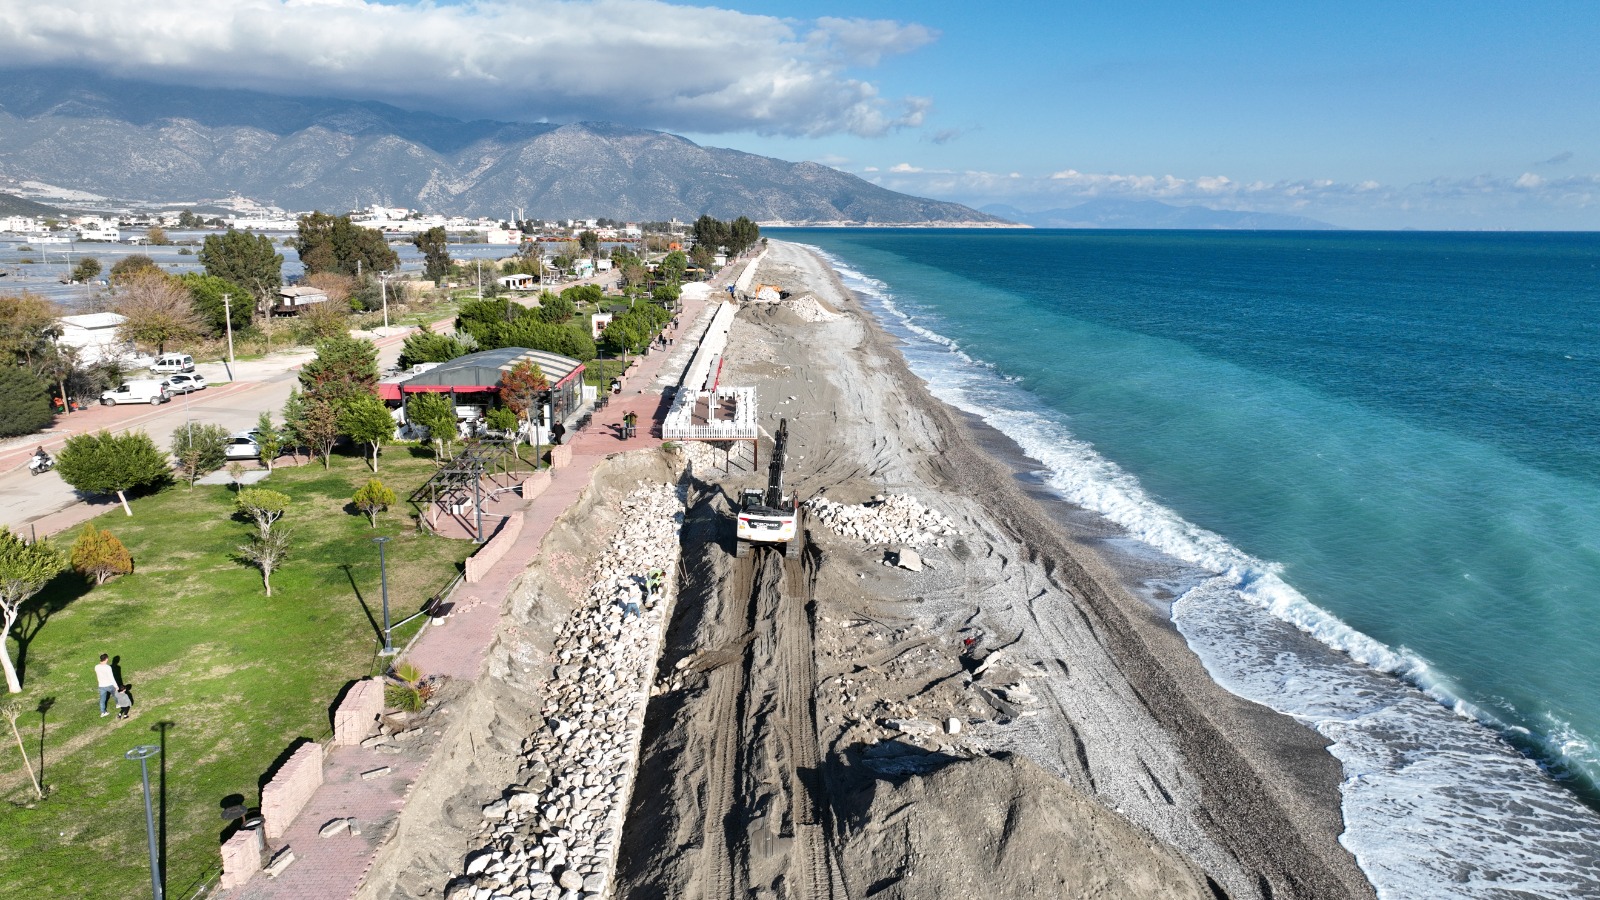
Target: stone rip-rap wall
[554, 834]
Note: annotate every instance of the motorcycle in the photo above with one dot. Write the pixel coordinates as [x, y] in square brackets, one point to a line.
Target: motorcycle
[39, 464]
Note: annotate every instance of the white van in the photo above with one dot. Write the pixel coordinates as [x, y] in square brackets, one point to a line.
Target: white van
[168, 363]
[140, 390]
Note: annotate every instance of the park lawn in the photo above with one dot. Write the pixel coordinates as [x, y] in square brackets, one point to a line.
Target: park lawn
[238, 676]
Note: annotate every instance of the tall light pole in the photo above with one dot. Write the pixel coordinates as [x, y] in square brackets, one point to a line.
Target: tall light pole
[383, 574]
[227, 320]
[480, 278]
[142, 753]
[383, 280]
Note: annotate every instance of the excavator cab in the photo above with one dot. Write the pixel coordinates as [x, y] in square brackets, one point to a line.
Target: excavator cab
[769, 517]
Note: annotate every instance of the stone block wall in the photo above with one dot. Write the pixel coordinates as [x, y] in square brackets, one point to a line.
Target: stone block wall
[289, 790]
[358, 713]
[241, 857]
[560, 456]
[535, 484]
[479, 564]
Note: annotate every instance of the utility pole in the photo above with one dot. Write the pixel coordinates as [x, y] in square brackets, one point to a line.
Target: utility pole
[227, 320]
[383, 280]
[480, 278]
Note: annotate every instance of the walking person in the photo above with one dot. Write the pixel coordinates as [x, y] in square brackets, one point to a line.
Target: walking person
[124, 702]
[629, 423]
[106, 680]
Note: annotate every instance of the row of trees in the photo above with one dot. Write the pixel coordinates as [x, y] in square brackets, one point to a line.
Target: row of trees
[735, 237]
[493, 323]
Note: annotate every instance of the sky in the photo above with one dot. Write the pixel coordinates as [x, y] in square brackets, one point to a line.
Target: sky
[1460, 115]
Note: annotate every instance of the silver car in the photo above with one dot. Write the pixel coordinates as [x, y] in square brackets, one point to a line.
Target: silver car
[242, 446]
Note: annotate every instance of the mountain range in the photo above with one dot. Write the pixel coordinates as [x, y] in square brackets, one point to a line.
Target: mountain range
[159, 144]
[1118, 213]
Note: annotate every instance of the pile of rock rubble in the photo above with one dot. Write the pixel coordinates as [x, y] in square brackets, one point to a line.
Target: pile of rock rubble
[554, 835]
[809, 308]
[892, 519]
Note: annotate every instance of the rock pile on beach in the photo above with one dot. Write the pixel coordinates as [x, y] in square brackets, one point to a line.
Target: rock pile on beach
[891, 519]
[554, 834]
[809, 308]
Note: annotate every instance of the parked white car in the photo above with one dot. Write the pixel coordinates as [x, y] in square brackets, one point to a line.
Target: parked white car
[168, 363]
[183, 383]
[139, 390]
[242, 446]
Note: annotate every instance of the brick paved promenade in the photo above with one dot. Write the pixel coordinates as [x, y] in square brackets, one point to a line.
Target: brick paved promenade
[333, 868]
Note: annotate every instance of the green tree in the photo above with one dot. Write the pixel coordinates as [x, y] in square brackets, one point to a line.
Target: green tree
[24, 402]
[672, 266]
[24, 571]
[666, 294]
[28, 329]
[294, 417]
[334, 244]
[710, 233]
[436, 413]
[435, 247]
[206, 293]
[372, 498]
[366, 420]
[262, 506]
[131, 265]
[502, 419]
[269, 439]
[425, 346]
[554, 309]
[187, 219]
[580, 294]
[268, 547]
[248, 260]
[589, 242]
[199, 450]
[742, 235]
[106, 463]
[157, 311]
[99, 555]
[343, 368]
[318, 427]
[87, 270]
[703, 256]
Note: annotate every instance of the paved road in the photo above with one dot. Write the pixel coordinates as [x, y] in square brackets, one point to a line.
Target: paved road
[45, 504]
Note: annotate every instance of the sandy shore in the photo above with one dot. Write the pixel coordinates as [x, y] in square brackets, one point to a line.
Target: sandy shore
[1121, 711]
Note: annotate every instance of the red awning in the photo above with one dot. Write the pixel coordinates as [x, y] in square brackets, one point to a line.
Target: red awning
[392, 390]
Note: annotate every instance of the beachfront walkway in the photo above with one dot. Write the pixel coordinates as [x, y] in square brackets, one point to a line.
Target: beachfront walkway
[333, 868]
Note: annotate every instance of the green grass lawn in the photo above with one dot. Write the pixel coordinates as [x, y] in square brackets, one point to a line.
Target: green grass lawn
[237, 676]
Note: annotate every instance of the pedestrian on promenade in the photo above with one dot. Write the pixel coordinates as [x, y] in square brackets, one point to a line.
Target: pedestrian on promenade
[629, 423]
[557, 432]
[124, 702]
[106, 680]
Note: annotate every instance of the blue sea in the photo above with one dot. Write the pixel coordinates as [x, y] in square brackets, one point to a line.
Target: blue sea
[1379, 452]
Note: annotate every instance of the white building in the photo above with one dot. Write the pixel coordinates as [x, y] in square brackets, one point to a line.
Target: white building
[95, 336]
[94, 228]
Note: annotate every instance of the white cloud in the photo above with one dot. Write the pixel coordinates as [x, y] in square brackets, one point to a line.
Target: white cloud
[639, 62]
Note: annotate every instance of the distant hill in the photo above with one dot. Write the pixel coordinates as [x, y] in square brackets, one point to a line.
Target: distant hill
[158, 143]
[12, 205]
[1112, 213]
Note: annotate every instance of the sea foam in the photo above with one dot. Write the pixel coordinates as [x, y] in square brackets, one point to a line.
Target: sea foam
[1435, 803]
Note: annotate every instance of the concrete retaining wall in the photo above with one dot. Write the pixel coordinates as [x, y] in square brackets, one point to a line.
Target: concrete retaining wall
[560, 456]
[536, 484]
[357, 715]
[289, 790]
[241, 857]
[479, 564]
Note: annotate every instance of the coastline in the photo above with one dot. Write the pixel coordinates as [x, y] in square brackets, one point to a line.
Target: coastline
[1252, 796]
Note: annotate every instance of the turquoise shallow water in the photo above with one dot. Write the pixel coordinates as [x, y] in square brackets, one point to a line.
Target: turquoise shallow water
[1388, 441]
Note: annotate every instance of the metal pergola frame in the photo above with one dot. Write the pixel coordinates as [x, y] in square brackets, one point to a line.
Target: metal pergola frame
[457, 489]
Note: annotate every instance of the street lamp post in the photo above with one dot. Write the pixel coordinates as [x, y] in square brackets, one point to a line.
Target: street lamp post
[142, 753]
[227, 321]
[383, 574]
[383, 281]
